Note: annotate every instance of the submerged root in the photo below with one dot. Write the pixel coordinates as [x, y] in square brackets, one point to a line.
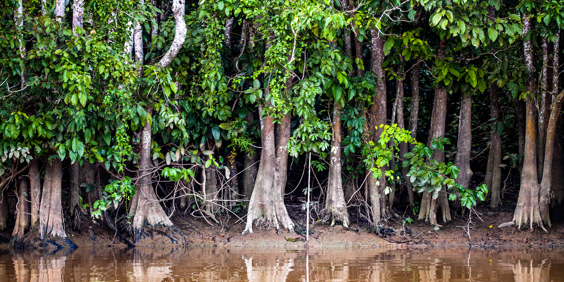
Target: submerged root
[32, 241]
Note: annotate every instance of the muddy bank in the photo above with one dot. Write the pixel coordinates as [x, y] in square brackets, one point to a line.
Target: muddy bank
[482, 233]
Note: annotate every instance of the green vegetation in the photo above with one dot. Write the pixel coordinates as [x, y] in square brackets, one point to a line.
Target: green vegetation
[140, 110]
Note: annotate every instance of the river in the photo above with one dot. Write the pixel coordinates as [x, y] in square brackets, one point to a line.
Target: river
[200, 264]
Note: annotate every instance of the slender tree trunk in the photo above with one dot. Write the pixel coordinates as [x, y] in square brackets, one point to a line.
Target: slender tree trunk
[377, 117]
[211, 191]
[413, 117]
[520, 111]
[544, 108]
[3, 210]
[401, 124]
[546, 183]
[527, 209]
[145, 207]
[51, 209]
[227, 34]
[59, 9]
[74, 202]
[77, 14]
[335, 204]
[178, 9]
[155, 23]
[493, 173]
[35, 187]
[464, 145]
[22, 217]
[251, 167]
[429, 204]
[359, 54]
[18, 18]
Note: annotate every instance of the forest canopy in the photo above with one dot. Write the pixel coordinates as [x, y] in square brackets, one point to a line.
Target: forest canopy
[132, 112]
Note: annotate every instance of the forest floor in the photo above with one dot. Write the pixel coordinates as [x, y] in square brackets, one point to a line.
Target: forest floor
[483, 233]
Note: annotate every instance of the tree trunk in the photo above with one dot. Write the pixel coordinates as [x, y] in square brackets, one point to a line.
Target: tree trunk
[227, 34]
[401, 124]
[250, 166]
[266, 204]
[546, 183]
[51, 209]
[59, 9]
[74, 184]
[210, 187]
[377, 117]
[527, 209]
[155, 23]
[464, 145]
[178, 8]
[414, 117]
[35, 187]
[335, 204]
[359, 54]
[22, 217]
[428, 210]
[493, 172]
[77, 14]
[520, 111]
[544, 110]
[145, 207]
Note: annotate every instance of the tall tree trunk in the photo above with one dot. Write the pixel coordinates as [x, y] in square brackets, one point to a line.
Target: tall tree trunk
[335, 204]
[3, 210]
[145, 207]
[359, 54]
[546, 183]
[211, 192]
[35, 188]
[414, 116]
[266, 204]
[527, 209]
[51, 209]
[377, 117]
[22, 217]
[464, 144]
[77, 14]
[401, 124]
[521, 121]
[544, 110]
[59, 9]
[250, 166]
[428, 210]
[178, 9]
[18, 18]
[493, 172]
[74, 183]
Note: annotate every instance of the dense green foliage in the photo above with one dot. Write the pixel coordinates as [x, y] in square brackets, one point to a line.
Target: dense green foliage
[84, 94]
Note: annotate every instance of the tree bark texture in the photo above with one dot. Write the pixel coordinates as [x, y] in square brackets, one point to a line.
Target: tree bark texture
[267, 204]
[51, 209]
[493, 172]
[145, 207]
[527, 209]
[464, 145]
[59, 9]
[35, 192]
[250, 166]
[429, 205]
[544, 108]
[179, 33]
[77, 14]
[335, 204]
[74, 184]
[378, 116]
[22, 210]
[546, 183]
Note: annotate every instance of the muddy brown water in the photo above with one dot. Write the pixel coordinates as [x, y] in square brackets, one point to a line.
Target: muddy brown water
[184, 264]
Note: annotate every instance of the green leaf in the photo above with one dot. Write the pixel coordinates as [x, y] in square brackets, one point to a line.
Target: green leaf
[388, 46]
[492, 33]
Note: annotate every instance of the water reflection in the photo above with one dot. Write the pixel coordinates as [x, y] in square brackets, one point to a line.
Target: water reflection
[180, 264]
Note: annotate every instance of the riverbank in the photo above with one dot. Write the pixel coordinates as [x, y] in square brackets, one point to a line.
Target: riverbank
[481, 232]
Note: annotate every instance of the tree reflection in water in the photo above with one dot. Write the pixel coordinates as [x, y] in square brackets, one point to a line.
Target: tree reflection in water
[199, 264]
